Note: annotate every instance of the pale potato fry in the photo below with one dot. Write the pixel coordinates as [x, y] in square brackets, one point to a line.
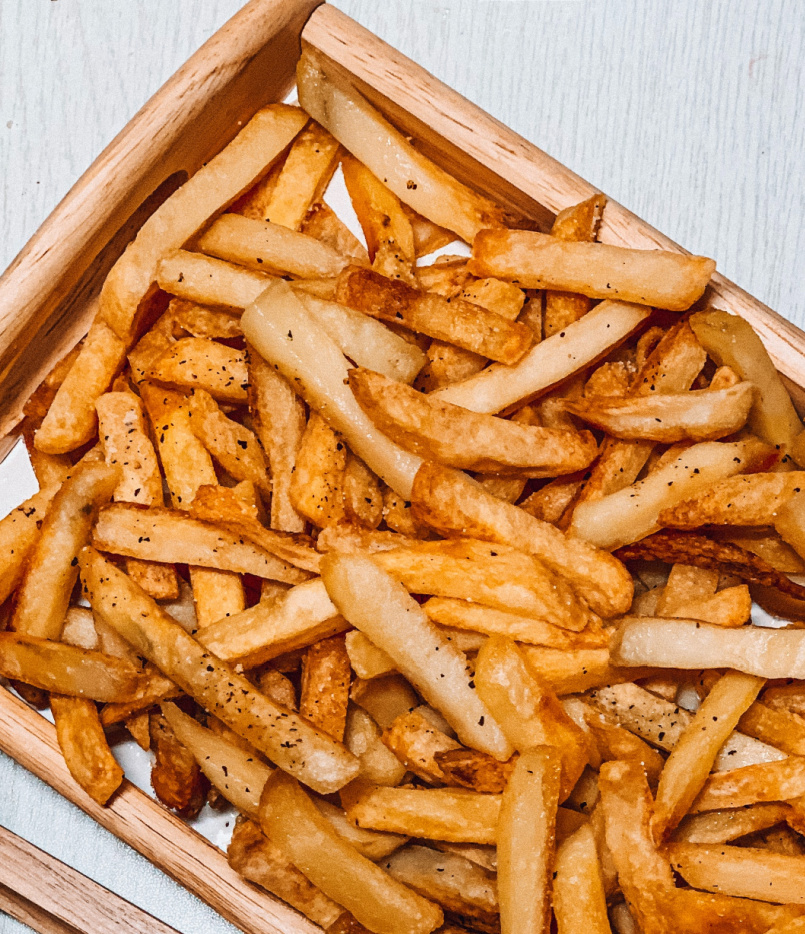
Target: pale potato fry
[198, 363]
[691, 594]
[362, 130]
[456, 321]
[459, 438]
[454, 505]
[211, 189]
[324, 224]
[782, 780]
[203, 321]
[386, 226]
[170, 535]
[700, 415]
[748, 501]
[375, 603]
[363, 738]
[539, 261]
[84, 747]
[731, 341]
[526, 840]
[51, 568]
[317, 485]
[270, 247]
[633, 512]
[259, 860]
[367, 660]
[579, 901]
[385, 699]
[324, 693]
[743, 871]
[416, 742]
[272, 730]
[612, 741]
[692, 758]
[303, 616]
[195, 277]
[317, 369]
[19, 533]
[459, 885]
[373, 897]
[730, 823]
[71, 419]
[528, 711]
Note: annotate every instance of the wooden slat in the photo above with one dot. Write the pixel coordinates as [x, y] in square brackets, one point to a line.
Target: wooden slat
[52, 898]
[490, 157]
[166, 840]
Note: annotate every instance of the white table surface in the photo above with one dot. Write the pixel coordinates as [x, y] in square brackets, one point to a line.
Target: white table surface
[687, 111]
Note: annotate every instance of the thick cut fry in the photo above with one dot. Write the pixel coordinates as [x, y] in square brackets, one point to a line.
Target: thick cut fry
[691, 594]
[784, 730]
[367, 660]
[289, 338]
[71, 419]
[386, 227]
[375, 603]
[303, 616]
[362, 130]
[51, 571]
[579, 901]
[781, 780]
[452, 814]
[317, 485]
[374, 898]
[157, 534]
[525, 840]
[693, 756]
[732, 342]
[571, 671]
[279, 417]
[265, 863]
[19, 533]
[324, 224]
[579, 222]
[528, 711]
[325, 686]
[288, 740]
[175, 774]
[456, 437]
[468, 768]
[461, 887]
[363, 738]
[66, 669]
[416, 743]
[269, 247]
[701, 415]
[195, 277]
[201, 321]
[363, 495]
[633, 512]
[456, 321]
[597, 270]
[454, 505]
[752, 500]
[372, 844]
[84, 747]
[730, 823]
[198, 363]
[215, 186]
[36, 407]
[743, 871]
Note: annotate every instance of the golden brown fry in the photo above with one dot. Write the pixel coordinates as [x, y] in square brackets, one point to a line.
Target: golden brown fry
[362, 737]
[731, 823]
[571, 671]
[779, 728]
[198, 363]
[770, 781]
[367, 660]
[316, 488]
[324, 693]
[363, 496]
[579, 901]
[153, 688]
[416, 743]
[385, 699]
[614, 742]
[175, 775]
[324, 224]
[468, 768]
[202, 321]
[19, 532]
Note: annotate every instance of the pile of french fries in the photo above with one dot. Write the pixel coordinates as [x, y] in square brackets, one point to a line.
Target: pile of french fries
[440, 571]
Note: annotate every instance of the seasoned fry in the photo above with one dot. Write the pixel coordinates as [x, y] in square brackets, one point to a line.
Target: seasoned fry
[317, 485]
[781, 780]
[456, 321]
[374, 898]
[19, 533]
[175, 774]
[579, 901]
[380, 607]
[324, 224]
[325, 765]
[468, 768]
[363, 496]
[198, 363]
[730, 823]
[416, 743]
[195, 277]
[201, 321]
[597, 270]
[363, 738]
[325, 686]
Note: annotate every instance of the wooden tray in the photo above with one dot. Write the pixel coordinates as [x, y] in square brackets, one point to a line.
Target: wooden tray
[46, 301]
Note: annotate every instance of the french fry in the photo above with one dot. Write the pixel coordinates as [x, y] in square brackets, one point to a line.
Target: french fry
[686, 584]
[211, 189]
[576, 223]
[152, 689]
[456, 437]
[468, 768]
[766, 544]
[36, 407]
[363, 497]
[526, 840]
[84, 746]
[51, 570]
[462, 888]
[571, 671]
[363, 738]
[198, 363]
[324, 224]
[278, 687]
[386, 227]
[731, 341]
[202, 321]
[579, 901]
[303, 616]
[785, 731]
[747, 501]
[361, 129]
[175, 774]
[528, 711]
[428, 237]
[204, 279]
[692, 758]
[324, 693]
[597, 270]
[781, 780]
[453, 505]
[367, 660]
[372, 844]
[317, 485]
[416, 743]
[374, 898]
[613, 741]
[316, 368]
[731, 823]
[691, 594]
[385, 699]
[66, 669]
[280, 735]
[19, 533]
[395, 622]
[265, 863]
[742, 871]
